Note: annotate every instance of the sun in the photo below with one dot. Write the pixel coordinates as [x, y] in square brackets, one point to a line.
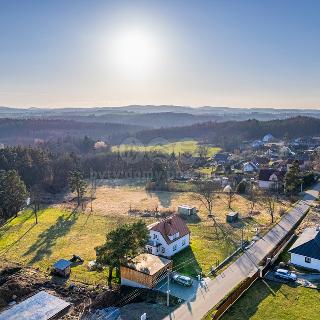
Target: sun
[134, 52]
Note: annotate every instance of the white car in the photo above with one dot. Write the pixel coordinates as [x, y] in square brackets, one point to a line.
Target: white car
[285, 274]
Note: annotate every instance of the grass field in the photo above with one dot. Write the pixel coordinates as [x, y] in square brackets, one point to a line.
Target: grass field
[59, 234]
[276, 301]
[187, 146]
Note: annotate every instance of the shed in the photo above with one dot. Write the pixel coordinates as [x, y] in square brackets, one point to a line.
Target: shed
[41, 306]
[232, 216]
[62, 268]
[187, 210]
[145, 270]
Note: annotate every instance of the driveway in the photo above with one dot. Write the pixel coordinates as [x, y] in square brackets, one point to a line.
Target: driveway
[185, 293]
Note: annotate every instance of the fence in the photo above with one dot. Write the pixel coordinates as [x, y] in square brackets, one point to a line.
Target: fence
[225, 304]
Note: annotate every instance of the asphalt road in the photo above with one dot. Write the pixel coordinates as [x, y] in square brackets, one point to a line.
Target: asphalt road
[197, 307]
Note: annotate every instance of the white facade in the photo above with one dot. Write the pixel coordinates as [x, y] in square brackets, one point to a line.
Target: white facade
[158, 246]
[305, 262]
[272, 183]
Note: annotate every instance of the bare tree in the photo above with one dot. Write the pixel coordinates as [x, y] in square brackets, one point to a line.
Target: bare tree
[270, 199]
[230, 194]
[203, 151]
[205, 192]
[36, 196]
[253, 197]
[93, 190]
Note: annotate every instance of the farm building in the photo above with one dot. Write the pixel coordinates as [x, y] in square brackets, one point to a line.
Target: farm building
[187, 210]
[145, 271]
[168, 236]
[305, 252]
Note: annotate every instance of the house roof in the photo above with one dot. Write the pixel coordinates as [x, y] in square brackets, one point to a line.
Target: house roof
[221, 156]
[265, 174]
[169, 227]
[62, 264]
[308, 244]
[148, 263]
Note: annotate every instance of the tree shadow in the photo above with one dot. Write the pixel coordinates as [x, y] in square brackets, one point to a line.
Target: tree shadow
[47, 239]
[186, 263]
[165, 197]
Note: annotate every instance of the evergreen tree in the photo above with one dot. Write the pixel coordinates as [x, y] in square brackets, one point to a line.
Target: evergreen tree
[13, 193]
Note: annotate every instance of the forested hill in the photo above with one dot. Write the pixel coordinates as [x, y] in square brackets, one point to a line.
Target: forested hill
[215, 132]
[27, 131]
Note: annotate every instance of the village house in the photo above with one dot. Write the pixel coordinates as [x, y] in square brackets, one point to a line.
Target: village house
[305, 252]
[168, 236]
[271, 179]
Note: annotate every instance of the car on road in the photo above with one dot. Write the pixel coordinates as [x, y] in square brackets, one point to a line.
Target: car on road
[285, 274]
[182, 280]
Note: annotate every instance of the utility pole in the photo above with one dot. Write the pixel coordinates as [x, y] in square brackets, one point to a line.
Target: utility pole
[168, 288]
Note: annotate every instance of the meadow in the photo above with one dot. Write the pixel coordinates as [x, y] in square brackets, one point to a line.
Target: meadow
[179, 147]
[275, 301]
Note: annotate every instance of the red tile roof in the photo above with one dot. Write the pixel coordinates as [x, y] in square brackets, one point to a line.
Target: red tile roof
[169, 227]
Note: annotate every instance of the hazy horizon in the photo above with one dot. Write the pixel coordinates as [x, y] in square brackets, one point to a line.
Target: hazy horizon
[88, 54]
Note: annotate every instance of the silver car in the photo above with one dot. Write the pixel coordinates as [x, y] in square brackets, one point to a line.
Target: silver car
[182, 280]
[285, 274]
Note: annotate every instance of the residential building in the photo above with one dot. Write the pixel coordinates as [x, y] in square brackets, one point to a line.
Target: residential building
[168, 236]
[271, 179]
[305, 252]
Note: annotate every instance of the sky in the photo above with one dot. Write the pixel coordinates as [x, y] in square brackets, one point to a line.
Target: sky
[239, 53]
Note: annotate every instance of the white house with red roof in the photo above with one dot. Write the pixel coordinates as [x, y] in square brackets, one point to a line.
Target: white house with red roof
[168, 236]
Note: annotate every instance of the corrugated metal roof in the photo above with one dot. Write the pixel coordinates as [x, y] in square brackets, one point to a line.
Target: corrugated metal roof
[41, 306]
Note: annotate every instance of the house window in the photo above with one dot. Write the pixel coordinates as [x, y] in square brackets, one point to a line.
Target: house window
[307, 260]
[155, 236]
[183, 242]
[174, 248]
[149, 250]
[163, 250]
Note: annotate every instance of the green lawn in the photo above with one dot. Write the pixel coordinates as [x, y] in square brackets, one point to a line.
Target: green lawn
[59, 234]
[278, 301]
[205, 249]
[189, 146]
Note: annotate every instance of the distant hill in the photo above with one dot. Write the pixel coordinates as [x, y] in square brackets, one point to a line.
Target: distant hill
[216, 132]
[154, 117]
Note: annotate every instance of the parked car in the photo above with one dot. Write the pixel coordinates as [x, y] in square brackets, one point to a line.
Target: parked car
[285, 274]
[182, 280]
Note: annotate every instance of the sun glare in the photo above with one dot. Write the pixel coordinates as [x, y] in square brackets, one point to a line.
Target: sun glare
[134, 52]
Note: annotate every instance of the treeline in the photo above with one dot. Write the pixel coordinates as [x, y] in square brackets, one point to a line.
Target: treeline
[231, 133]
[33, 131]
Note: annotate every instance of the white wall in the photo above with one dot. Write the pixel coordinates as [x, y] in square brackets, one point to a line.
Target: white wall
[299, 260]
[165, 249]
[264, 184]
